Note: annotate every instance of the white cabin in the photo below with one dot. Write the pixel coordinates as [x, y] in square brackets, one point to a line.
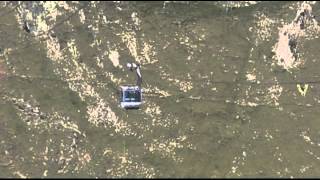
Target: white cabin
[130, 97]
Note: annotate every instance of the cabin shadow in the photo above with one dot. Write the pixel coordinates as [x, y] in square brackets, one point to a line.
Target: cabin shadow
[131, 108]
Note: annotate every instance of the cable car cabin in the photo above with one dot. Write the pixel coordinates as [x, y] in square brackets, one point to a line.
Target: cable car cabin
[130, 97]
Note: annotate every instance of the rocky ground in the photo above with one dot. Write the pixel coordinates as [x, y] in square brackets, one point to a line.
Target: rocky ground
[230, 89]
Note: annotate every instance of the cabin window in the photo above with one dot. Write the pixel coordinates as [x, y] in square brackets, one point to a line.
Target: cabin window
[132, 96]
[121, 96]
